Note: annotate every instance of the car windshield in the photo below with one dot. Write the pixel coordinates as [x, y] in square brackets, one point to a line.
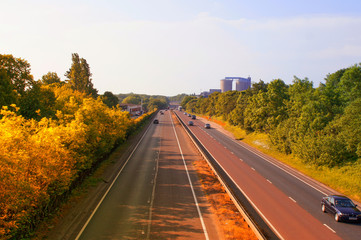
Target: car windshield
[344, 203]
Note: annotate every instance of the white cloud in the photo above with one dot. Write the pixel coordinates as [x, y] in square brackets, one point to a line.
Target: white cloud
[158, 57]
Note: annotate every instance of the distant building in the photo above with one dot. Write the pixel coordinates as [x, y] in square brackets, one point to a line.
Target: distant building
[214, 90]
[206, 94]
[133, 109]
[241, 83]
[226, 85]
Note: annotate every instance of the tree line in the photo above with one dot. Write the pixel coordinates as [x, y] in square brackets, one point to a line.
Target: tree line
[149, 103]
[320, 126]
[52, 134]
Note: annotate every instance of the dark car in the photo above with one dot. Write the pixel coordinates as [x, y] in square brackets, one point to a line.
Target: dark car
[161, 112]
[193, 116]
[190, 123]
[207, 125]
[341, 207]
[189, 115]
[156, 121]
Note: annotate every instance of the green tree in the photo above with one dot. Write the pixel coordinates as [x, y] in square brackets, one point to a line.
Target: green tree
[211, 103]
[265, 110]
[7, 92]
[236, 117]
[133, 99]
[185, 100]
[18, 71]
[350, 84]
[37, 102]
[256, 112]
[277, 96]
[156, 103]
[110, 99]
[79, 76]
[261, 86]
[226, 103]
[191, 105]
[50, 78]
[348, 127]
[201, 106]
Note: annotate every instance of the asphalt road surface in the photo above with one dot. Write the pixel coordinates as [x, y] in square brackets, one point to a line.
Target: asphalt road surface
[157, 194]
[286, 199]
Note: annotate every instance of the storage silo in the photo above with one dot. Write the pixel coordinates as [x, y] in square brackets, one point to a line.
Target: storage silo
[243, 84]
[226, 85]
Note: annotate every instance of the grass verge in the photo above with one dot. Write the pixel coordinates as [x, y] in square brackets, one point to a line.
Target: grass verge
[232, 223]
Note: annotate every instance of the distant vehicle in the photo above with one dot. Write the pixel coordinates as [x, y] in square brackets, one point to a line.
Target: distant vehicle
[156, 121]
[342, 208]
[189, 115]
[190, 123]
[193, 116]
[185, 113]
[161, 112]
[207, 125]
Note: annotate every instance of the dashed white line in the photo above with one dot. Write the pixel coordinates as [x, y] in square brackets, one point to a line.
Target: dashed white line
[253, 169]
[269, 181]
[292, 199]
[191, 185]
[329, 228]
[280, 167]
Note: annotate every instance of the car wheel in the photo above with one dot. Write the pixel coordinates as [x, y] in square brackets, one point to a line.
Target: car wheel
[337, 218]
[323, 208]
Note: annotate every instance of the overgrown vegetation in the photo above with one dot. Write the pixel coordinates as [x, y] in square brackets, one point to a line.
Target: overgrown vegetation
[232, 223]
[149, 103]
[319, 126]
[52, 133]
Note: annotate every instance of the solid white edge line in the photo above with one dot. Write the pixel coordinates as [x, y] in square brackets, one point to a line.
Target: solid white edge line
[191, 185]
[329, 228]
[252, 203]
[102, 199]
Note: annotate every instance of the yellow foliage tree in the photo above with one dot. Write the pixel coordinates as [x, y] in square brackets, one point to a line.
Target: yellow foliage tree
[39, 160]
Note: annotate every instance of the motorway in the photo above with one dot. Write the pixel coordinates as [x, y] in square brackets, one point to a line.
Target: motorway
[287, 200]
[156, 195]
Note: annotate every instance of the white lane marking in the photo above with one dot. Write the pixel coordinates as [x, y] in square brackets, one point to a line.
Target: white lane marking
[111, 185]
[292, 199]
[191, 185]
[241, 159]
[283, 169]
[329, 228]
[253, 169]
[232, 153]
[153, 191]
[252, 203]
[269, 181]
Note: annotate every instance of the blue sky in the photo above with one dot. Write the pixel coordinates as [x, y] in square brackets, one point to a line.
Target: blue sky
[169, 47]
